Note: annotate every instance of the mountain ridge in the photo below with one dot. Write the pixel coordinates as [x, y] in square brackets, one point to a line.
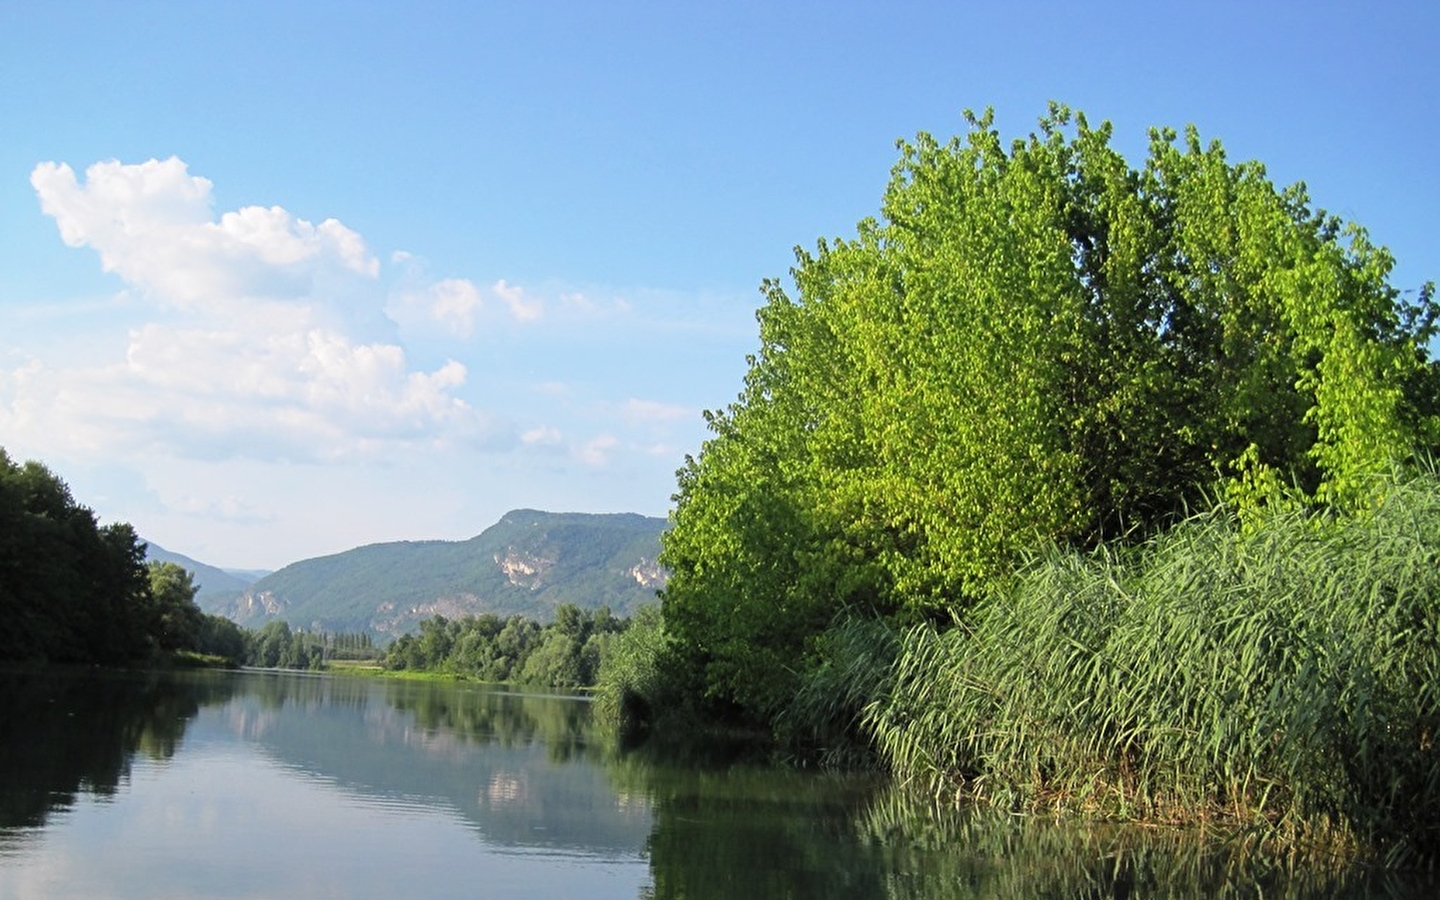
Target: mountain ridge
[527, 563]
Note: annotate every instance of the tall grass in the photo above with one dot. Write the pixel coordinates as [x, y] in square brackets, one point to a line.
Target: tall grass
[632, 685]
[1285, 679]
[850, 665]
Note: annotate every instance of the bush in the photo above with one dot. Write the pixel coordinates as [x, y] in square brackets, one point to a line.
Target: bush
[636, 683]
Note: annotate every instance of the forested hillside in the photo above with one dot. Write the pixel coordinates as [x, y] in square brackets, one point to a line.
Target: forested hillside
[528, 563]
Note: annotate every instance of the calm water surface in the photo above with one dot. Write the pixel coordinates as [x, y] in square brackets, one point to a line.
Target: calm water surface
[269, 785]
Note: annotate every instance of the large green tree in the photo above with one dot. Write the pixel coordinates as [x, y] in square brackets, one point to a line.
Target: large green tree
[71, 590]
[178, 621]
[1034, 343]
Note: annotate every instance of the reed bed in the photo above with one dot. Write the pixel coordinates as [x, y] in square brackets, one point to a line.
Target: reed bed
[1283, 679]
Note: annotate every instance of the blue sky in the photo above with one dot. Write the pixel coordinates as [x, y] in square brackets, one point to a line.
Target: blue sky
[282, 278]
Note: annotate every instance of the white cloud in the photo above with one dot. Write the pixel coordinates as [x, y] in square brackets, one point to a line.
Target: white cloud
[152, 225]
[542, 436]
[303, 395]
[638, 412]
[597, 451]
[454, 304]
[227, 508]
[522, 307]
[274, 353]
[582, 305]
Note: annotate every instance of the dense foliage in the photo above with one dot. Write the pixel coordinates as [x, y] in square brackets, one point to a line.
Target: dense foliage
[640, 680]
[1284, 673]
[182, 626]
[1034, 345]
[949, 526]
[71, 590]
[565, 653]
[278, 646]
[74, 591]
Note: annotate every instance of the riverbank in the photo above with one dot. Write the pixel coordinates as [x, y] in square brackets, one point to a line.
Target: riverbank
[1276, 677]
[1273, 678]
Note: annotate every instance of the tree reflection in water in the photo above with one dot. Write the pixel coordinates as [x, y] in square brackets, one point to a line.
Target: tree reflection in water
[67, 731]
[528, 774]
[744, 830]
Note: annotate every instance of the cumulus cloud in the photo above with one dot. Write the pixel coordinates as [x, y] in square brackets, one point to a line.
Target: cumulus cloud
[452, 304]
[153, 226]
[306, 395]
[274, 352]
[456, 305]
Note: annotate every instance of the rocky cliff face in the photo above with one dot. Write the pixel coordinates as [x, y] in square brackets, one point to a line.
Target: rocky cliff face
[252, 608]
[392, 620]
[648, 573]
[524, 569]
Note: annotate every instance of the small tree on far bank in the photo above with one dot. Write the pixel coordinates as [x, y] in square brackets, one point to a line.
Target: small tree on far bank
[178, 620]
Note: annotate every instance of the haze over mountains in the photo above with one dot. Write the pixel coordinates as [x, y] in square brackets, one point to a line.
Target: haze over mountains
[528, 563]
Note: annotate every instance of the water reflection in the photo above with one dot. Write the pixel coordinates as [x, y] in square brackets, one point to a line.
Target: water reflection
[514, 767]
[750, 831]
[1008, 856]
[745, 831]
[64, 732]
[276, 784]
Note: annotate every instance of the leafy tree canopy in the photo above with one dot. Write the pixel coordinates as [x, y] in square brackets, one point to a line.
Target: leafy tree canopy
[1034, 343]
[172, 589]
[71, 590]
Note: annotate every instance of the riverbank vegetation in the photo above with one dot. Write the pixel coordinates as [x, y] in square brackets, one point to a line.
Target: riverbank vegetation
[74, 591]
[1073, 484]
[564, 653]
[1280, 677]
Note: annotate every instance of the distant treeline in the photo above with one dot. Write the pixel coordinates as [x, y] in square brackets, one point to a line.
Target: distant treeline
[277, 646]
[566, 653]
[563, 654]
[75, 592]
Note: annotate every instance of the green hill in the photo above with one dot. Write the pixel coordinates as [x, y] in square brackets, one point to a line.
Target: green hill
[528, 563]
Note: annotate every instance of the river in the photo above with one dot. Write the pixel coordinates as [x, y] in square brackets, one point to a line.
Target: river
[278, 785]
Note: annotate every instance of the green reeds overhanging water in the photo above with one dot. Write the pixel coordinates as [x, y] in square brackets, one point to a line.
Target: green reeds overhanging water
[1280, 679]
